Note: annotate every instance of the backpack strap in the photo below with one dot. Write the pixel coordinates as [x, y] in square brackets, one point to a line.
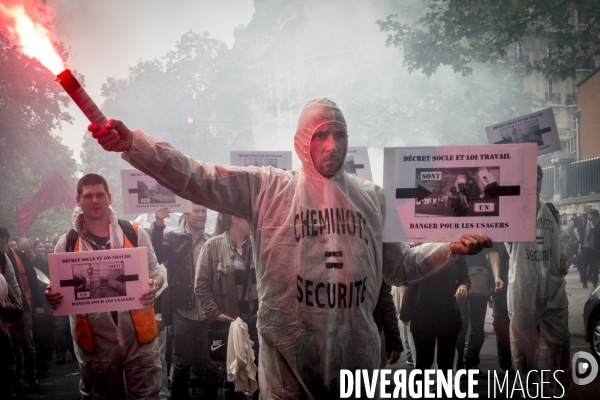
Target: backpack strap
[554, 212]
[72, 236]
[129, 231]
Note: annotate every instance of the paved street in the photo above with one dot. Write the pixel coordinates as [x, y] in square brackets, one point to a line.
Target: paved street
[63, 380]
[488, 355]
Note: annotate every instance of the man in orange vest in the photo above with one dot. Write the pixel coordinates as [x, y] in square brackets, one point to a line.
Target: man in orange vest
[113, 343]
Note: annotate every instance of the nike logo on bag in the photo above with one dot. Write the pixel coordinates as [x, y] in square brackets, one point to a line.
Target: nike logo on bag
[216, 345]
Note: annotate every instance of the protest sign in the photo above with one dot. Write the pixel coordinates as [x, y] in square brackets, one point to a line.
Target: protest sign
[437, 194]
[538, 127]
[142, 194]
[357, 163]
[98, 281]
[275, 159]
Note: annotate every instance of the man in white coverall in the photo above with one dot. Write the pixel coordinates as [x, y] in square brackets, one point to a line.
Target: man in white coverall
[113, 344]
[537, 297]
[318, 248]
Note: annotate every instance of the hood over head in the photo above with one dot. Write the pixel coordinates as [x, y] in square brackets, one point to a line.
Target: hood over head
[314, 114]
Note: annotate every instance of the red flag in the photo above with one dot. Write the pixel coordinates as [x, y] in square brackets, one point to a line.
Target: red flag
[55, 191]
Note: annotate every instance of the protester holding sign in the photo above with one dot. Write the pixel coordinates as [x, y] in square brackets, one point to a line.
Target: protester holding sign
[114, 343]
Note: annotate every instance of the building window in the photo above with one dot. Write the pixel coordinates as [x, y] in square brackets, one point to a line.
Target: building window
[519, 50]
[549, 86]
[572, 147]
[574, 122]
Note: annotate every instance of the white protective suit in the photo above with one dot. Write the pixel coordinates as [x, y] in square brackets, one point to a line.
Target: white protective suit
[318, 255]
[116, 348]
[536, 295]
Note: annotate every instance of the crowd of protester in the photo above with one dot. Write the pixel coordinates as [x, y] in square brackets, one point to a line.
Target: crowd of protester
[437, 325]
[201, 284]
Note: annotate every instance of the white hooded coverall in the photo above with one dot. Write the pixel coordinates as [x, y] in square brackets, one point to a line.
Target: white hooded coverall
[536, 296]
[116, 347]
[318, 255]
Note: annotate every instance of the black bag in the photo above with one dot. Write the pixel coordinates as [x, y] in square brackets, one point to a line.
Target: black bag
[218, 333]
[166, 312]
[409, 302]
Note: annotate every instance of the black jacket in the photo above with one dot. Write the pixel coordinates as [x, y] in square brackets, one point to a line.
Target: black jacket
[596, 231]
[385, 318]
[170, 249]
[37, 295]
[433, 299]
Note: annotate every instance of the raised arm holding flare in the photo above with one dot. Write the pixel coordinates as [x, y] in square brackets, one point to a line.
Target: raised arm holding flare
[319, 254]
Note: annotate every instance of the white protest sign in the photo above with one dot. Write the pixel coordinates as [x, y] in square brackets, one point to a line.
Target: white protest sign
[142, 194]
[275, 159]
[437, 194]
[538, 127]
[98, 281]
[357, 163]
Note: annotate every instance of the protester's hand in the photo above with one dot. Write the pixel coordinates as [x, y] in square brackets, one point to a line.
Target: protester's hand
[564, 270]
[499, 284]
[161, 215]
[113, 136]
[148, 296]
[223, 317]
[393, 356]
[53, 298]
[461, 292]
[579, 251]
[471, 244]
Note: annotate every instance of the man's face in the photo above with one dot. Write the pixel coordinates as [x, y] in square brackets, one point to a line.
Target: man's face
[592, 218]
[328, 147]
[94, 202]
[48, 248]
[25, 245]
[39, 250]
[539, 185]
[587, 209]
[197, 218]
[242, 225]
[12, 244]
[564, 219]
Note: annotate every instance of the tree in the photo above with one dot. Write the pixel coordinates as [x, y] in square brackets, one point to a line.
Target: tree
[460, 33]
[194, 97]
[31, 106]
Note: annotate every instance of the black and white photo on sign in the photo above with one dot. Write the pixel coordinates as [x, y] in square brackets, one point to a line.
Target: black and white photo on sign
[143, 194]
[99, 280]
[150, 192]
[260, 162]
[276, 159]
[458, 192]
[538, 127]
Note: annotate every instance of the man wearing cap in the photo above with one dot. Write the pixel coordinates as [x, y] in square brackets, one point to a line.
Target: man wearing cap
[319, 252]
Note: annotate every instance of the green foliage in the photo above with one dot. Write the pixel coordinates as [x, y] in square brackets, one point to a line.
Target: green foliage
[31, 105]
[460, 33]
[201, 79]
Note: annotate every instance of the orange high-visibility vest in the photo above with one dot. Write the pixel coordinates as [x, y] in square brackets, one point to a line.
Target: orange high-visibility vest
[143, 319]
